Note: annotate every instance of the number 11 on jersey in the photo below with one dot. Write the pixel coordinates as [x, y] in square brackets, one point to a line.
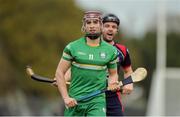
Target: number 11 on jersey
[91, 57]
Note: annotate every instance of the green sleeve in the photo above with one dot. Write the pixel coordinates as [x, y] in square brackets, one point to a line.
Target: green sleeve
[67, 53]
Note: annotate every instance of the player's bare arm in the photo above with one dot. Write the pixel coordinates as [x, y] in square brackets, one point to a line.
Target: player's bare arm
[62, 68]
[127, 89]
[67, 77]
[113, 79]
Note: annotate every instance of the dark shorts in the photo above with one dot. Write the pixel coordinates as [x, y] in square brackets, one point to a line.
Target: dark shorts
[113, 104]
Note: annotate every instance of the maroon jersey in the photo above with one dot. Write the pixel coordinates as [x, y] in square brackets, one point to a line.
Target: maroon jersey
[113, 99]
[124, 59]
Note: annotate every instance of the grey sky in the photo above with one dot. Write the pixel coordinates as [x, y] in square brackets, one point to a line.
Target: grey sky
[136, 15]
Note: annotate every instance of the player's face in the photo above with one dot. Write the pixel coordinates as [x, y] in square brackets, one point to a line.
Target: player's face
[92, 26]
[109, 31]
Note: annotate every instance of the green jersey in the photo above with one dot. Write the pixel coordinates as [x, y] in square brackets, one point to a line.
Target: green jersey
[89, 66]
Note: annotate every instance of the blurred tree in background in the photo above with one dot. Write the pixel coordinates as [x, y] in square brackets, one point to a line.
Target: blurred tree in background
[34, 32]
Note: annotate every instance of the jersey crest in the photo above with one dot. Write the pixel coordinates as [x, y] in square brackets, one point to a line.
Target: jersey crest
[103, 55]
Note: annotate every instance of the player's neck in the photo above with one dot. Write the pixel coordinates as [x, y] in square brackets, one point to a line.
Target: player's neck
[93, 43]
[112, 42]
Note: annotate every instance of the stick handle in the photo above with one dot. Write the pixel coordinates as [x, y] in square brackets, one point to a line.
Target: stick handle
[39, 78]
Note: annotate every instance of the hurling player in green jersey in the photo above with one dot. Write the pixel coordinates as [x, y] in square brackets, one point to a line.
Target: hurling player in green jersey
[89, 58]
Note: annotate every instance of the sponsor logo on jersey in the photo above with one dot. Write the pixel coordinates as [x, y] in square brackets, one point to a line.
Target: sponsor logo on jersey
[103, 55]
[81, 53]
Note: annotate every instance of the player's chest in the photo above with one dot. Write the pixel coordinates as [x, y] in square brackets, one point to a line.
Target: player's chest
[92, 55]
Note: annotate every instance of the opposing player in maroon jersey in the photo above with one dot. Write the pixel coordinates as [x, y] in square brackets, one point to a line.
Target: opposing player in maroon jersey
[110, 28]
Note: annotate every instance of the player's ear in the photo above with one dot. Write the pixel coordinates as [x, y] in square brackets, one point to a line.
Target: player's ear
[117, 30]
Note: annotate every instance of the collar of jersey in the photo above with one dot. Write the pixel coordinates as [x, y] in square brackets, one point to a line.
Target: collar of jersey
[93, 46]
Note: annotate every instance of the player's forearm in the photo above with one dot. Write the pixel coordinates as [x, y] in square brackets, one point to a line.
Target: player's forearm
[128, 88]
[61, 85]
[113, 78]
[113, 82]
[62, 68]
[127, 72]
